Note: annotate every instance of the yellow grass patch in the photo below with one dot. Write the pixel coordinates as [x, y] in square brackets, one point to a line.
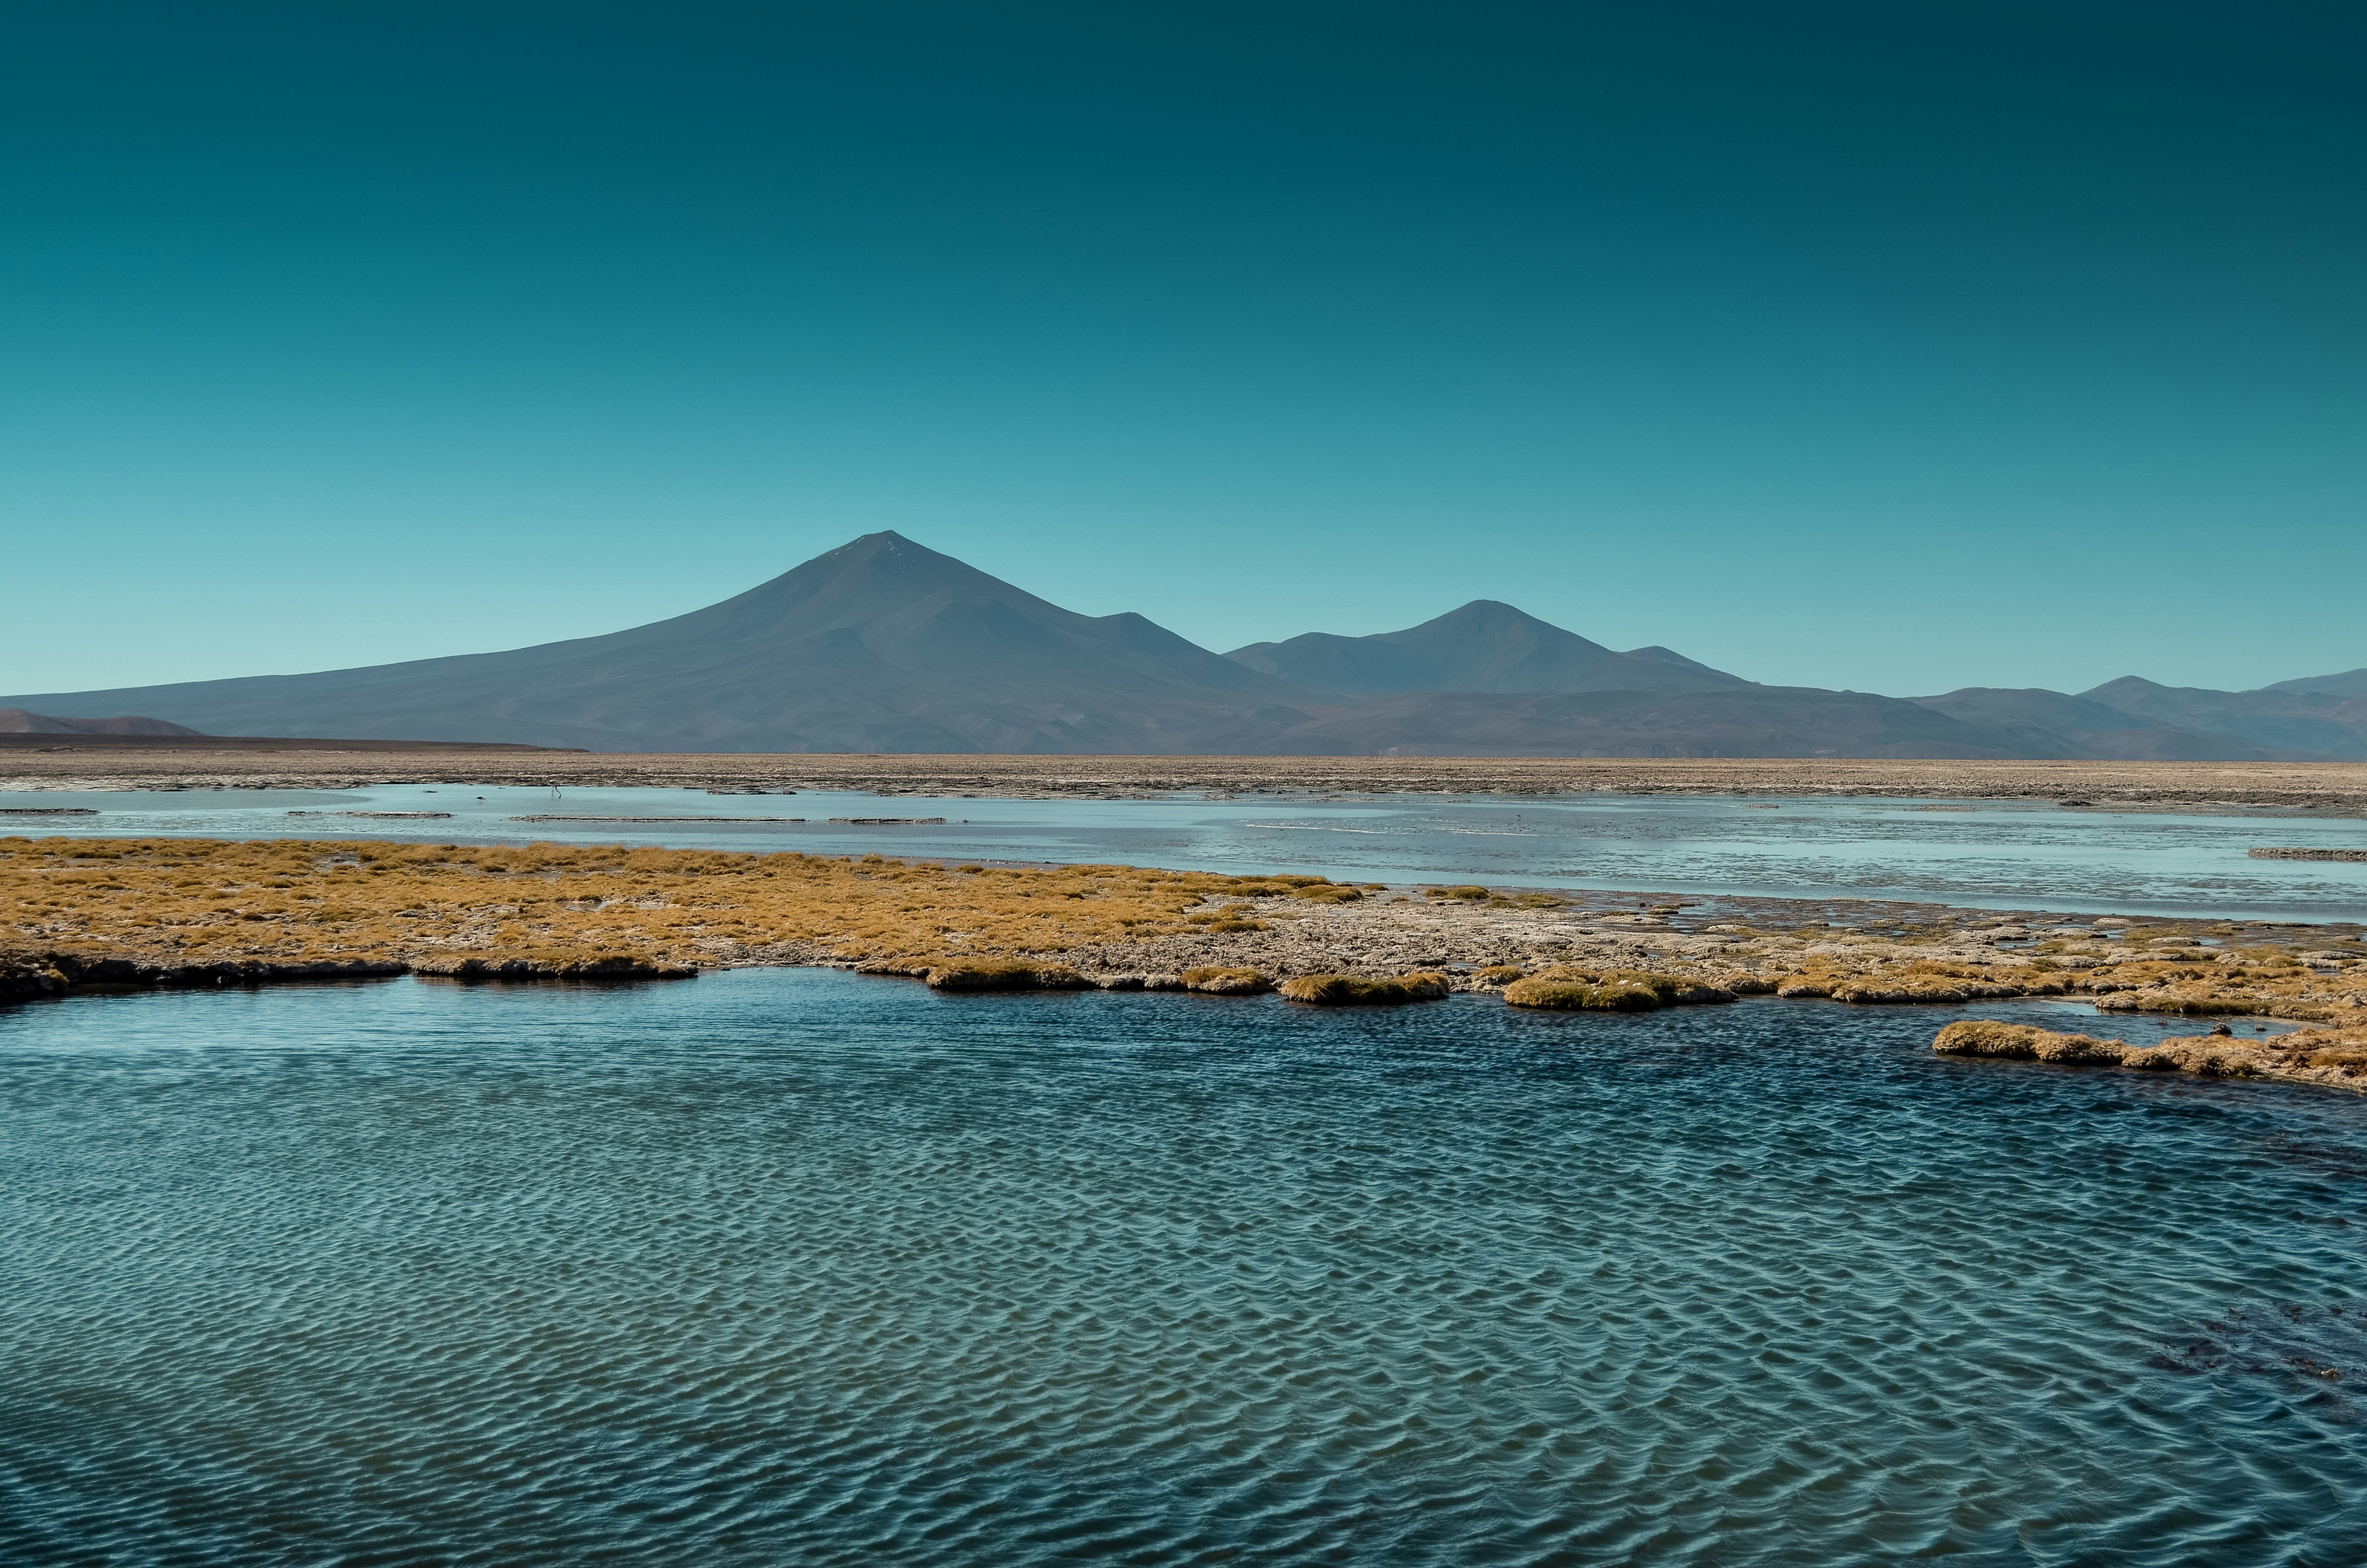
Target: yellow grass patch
[1219, 981]
[1003, 974]
[181, 901]
[1610, 990]
[1990, 1037]
[1356, 991]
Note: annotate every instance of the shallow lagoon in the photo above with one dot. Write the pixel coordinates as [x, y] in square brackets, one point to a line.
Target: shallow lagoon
[783, 1265]
[2003, 856]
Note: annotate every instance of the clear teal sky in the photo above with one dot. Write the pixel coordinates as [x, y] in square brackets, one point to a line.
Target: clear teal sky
[1892, 347]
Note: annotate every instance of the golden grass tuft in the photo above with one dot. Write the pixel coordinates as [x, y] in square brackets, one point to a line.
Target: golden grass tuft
[2187, 1003]
[1571, 996]
[1922, 980]
[2203, 1055]
[1990, 1037]
[1231, 918]
[1005, 974]
[1565, 988]
[1217, 981]
[1358, 991]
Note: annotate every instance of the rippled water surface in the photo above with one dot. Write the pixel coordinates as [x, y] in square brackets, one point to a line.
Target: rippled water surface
[799, 1266]
[1986, 854]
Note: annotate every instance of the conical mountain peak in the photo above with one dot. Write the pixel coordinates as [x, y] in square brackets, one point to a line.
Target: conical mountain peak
[881, 645]
[860, 583]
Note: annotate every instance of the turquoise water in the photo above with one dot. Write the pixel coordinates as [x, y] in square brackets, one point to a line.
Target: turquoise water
[2012, 856]
[789, 1265]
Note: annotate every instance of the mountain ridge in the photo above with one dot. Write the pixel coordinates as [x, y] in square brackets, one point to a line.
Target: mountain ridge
[19, 721]
[1484, 646]
[2130, 717]
[882, 645]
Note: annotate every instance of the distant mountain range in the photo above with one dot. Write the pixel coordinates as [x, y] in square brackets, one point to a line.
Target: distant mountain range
[16, 721]
[882, 645]
[2318, 718]
[1483, 647]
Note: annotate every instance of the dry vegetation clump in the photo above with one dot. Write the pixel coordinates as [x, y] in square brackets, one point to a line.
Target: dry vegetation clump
[1003, 974]
[1357, 991]
[2310, 976]
[908, 967]
[2192, 1002]
[1221, 922]
[1219, 981]
[547, 964]
[1501, 974]
[176, 905]
[1459, 894]
[2262, 980]
[1612, 990]
[1566, 994]
[1988, 1036]
[32, 974]
[1281, 886]
[2336, 1057]
[2331, 1057]
[1920, 980]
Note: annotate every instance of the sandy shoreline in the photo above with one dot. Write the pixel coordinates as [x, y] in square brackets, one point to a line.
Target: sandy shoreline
[2320, 788]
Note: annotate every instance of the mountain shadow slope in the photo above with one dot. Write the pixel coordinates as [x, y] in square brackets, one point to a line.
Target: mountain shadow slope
[2350, 685]
[2050, 723]
[2313, 721]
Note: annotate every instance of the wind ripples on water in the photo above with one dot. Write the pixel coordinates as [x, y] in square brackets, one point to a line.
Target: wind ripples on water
[799, 1266]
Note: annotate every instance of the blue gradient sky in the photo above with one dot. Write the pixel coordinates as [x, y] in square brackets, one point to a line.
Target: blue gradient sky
[1893, 347]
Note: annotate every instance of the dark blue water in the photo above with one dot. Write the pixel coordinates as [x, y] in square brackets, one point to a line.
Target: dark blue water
[797, 1266]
